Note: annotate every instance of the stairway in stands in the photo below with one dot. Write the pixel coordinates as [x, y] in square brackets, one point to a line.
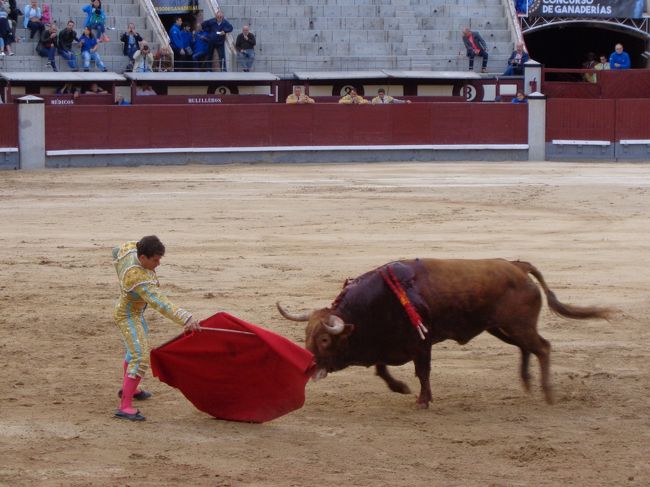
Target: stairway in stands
[118, 14]
[316, 35]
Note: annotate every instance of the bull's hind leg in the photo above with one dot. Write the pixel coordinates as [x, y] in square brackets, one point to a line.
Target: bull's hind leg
[525, 357]
[393, 384]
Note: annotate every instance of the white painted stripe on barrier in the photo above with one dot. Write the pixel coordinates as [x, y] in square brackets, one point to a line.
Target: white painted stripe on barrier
[603, 143]
[635, 142]
[8, 149]
[174, 150]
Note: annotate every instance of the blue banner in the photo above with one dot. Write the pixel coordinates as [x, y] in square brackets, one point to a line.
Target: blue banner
[164, 7]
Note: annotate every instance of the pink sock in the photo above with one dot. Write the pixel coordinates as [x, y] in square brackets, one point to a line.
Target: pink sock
[126, 366]
[128, 389]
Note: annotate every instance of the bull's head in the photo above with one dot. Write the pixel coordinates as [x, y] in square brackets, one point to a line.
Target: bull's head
[326, 336]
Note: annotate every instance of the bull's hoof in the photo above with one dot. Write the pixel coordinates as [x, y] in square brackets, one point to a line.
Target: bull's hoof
[422, 405]
[399, 387]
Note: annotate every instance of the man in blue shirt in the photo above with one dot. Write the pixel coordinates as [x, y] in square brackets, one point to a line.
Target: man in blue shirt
[217, 29]
[619, 59]
[176, 43]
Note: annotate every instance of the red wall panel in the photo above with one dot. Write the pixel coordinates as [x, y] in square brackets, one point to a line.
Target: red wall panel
[578, 119]
[261, 125]
[632, 119]
[8, 125]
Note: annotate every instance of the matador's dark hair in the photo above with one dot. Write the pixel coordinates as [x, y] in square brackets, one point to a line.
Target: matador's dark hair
[150, 246]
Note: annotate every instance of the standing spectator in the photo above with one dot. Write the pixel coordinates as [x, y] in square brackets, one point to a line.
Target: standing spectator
[176, 43]
[163, 60]
[603, 65]
[143, 59]
[96, 19]
[89, 48]
[33, 19]
[199, 47]
[382, 99]
[353, 98]
[217, 29]
[619, 59]
[47, 45]
[131, 41]
[245, 45]
[516, 61]
[187, 38]
[66, 37]
[6, 34]
[475, 46]
[297, 98]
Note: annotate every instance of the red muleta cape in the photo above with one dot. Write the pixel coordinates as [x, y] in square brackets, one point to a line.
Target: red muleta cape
[235, 370]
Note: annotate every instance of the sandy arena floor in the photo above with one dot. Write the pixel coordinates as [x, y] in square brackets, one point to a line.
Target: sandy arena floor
[241, 237]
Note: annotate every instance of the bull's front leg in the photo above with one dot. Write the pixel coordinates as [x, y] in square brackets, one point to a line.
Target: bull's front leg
[393, 384]
[422, 363]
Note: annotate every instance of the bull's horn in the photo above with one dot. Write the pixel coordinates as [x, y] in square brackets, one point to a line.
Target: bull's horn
[334, 325]
[291, 316]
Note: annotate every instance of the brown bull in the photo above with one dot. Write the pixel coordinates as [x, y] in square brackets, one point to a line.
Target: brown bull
[456, 299]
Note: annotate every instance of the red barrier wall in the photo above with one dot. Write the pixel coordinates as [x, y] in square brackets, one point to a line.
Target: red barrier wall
[8, 125]
[106, 127]
[632, 119]
[578, 119]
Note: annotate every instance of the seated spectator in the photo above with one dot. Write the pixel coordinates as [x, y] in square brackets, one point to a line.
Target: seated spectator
[590, 63]
[119, 100]
[199, 47]
[516, 61]
[89, 48]
[353, 98]
[603, 65]
[143, 59]
[47, 45]
[382, 99]
[66, 37]
[95, 89]
[520, 98]
[619, 59]
[13, 12]
[163, 60]
[96, 20]
[6, 34]
[131, 43]
[145, 90]
[245, 46]
[33, 19]
[475, 46]
[298, 98]
[69, 89]
[46, 18]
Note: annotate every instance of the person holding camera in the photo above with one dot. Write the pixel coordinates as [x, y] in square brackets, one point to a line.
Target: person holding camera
[516, 61]
[143, 59]
[131, 41]
[245, 45]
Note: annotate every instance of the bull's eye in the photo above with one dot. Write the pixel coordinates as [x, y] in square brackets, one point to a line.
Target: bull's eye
[324, 341]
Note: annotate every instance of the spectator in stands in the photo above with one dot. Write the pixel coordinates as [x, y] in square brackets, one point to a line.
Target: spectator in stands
[516, 61]
[95, 89]
[120, 100]
[603, 65]
[47, 45]
[13, 12]
[145, 90]
[217, 29]
[383, 99]
[176, 43]
[143, 59]
[66, 37]
[475, 46]
[69, 89]
[619, 59]
[6, 34]
[89, 48]
[589, 63]
[245, 45]
[298, 98]
[96, 19]
[520, 98]
[131, 43]
[188, 39]
[353, 98]
[163, 60]
[33, 19]
[199, 47]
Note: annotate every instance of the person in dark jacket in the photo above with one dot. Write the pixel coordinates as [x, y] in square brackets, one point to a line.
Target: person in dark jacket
[130, 43]
[217, 28]
[199, 47]
[47, 45]
[176, 43]
[6, 34]
[516, 61]
[66, 37]
[475, 46]
[245, 45]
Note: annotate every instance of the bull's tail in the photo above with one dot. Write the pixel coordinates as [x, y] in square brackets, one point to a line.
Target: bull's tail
[566, 310]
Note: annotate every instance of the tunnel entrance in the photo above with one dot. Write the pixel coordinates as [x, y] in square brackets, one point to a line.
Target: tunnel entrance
[567, 45]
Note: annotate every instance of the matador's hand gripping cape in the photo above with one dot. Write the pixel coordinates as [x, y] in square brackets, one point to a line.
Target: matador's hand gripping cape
[139, 288]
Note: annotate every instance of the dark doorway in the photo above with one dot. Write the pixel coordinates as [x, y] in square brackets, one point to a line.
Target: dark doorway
[567, 46]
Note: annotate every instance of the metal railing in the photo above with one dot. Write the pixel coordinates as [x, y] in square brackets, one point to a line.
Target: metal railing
[156, 25]
[513, 20]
